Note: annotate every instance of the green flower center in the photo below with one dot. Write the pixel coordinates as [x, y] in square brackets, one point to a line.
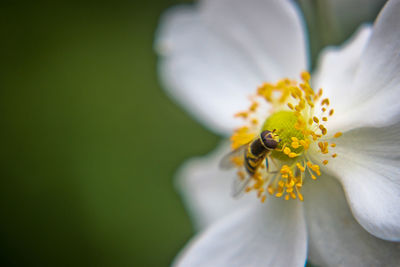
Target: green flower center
[283, 122]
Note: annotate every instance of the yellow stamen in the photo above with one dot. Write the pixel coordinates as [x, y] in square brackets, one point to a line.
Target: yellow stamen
[295, 127]
[338, 134]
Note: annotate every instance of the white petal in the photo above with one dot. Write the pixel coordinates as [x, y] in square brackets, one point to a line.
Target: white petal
[368, 166]
[335, 237]
[207, 190]
[376, 89]
[272, 33]
[337, 67]
[216, 53]
[269, 234]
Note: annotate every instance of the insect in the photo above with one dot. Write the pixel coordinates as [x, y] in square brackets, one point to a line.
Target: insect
[253, 154]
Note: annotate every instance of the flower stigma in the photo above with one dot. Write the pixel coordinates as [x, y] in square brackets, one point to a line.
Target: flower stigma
[296, 116]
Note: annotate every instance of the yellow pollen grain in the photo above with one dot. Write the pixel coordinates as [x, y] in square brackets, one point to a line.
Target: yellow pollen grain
[325, 162]
[263, 198]
[315, 168]
[241, 175]
[242, 114]
[323, 109]
[301, 168]
[294, 139]
[305, 76]
[338, 134]
[333, 145]
[313, 177]
[310, 121]
[290, 105]
[323, 147]
[334, 155]
[295, 145]
[305, 143]
[324, 118]
[254, 121]
[270, 190]
[325, 101]
[241, 136]
[257, 185]
[323, 129]
[286, 150]
[315, 119]
[253, 106]
[331, 112]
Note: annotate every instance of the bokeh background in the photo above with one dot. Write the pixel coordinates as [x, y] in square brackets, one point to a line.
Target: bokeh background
[89, 141]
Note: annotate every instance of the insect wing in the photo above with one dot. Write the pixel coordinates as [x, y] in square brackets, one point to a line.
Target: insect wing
[239, 185]
[227, 162]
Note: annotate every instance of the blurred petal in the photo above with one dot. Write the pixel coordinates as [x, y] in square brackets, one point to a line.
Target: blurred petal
[376, 90]
[368, 166]
[206, 189]
[335, 237]
[337, 67]
[216, 53]
[269, 234]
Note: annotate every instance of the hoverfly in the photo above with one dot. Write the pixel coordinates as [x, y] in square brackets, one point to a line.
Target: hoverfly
[253, 154]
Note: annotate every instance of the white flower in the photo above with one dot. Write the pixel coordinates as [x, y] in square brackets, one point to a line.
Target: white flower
[218, 53]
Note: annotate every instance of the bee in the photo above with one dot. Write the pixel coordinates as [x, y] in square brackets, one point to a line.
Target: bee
[253, 154]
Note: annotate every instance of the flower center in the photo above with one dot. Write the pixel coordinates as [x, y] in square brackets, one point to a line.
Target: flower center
[283, 122]
[296, 116]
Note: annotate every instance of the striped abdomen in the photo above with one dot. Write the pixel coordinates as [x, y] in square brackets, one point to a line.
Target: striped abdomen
[257, 150]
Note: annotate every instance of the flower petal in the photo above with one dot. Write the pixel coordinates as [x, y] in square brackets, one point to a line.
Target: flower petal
[211, 60]
[335, 237]
[374, 95]
[337, 67]
[206, 189]
[368, 167]
[269, 234]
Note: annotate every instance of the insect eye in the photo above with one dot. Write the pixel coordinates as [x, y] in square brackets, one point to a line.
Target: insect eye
[270, 141]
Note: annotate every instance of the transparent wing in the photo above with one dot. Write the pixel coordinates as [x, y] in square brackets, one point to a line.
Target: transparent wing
[239, 185]
[228, 161]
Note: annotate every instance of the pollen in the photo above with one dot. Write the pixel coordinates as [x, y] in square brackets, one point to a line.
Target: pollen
[241, 137]
[338, 134]
[301, 131]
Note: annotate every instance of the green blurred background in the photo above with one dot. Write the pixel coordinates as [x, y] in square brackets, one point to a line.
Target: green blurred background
[89, 141]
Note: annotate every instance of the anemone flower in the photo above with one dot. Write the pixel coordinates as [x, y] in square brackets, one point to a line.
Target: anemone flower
[330, 190]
